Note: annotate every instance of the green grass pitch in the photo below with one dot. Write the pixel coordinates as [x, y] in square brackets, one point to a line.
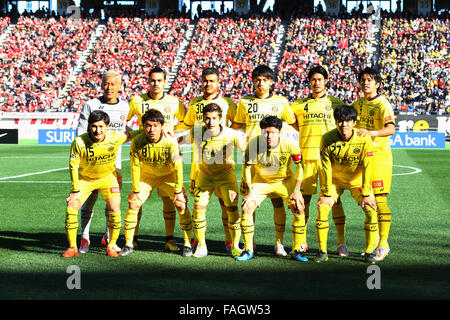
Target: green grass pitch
[34, 181]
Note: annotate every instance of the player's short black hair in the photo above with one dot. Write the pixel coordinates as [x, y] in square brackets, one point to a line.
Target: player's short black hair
[208, 71]
[153, 115]
[98, 115]
[318, 69]
[264, 71]
[374, 73]
[212, 107]
[157, 70]
[271, 121]
[345, 112]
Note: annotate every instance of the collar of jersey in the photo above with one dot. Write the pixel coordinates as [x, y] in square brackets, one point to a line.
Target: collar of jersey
[217, 95]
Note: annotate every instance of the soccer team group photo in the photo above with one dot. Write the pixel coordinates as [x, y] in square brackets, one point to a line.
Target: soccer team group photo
[175, 148]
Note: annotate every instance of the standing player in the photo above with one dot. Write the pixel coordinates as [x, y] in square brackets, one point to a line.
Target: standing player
[194, 117]
[272, 154]
[346, 163]
[214, 145]
[376, 119]
[92, 158]
[173, 112]
[251, 110]
[314, 116]
[155, 163]
[117, 111]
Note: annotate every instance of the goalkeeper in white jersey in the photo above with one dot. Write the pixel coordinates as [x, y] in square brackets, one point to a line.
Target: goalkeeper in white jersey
[117, 111]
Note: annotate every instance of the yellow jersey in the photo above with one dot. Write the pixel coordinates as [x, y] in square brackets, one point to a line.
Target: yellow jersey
[90, 160]
[157, 159]
[251, 110]
[374, 114]
[215, 154]
[345, 163]
[272, 165]
[314, 119]
[170, 106]
[194, 115]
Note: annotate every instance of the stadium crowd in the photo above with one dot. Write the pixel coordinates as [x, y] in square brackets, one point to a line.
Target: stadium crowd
[37, 59]
[133, 46]
[233, 45]
[41, 51]
[415, 61]
[339, 44]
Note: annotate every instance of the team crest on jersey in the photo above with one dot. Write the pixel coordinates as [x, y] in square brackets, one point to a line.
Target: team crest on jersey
[111, 149]
[282, 158]
[275, 109]
[371, 113]
[167, 109]
[328, 107]
[122, 117]
[356, 150]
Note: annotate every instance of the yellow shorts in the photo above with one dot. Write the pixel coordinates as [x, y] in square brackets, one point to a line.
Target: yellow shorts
[108, 187]
[243, 190]
[280, 189]
[164, 184]
[381, 172]
[310, 176]
[224, 187]
[336, 191]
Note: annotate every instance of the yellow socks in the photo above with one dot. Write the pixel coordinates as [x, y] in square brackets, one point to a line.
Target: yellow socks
[248, 230]
[186, 226]
[279, 218]
[199, 224]
[322, 226]
[131, 220]
[169, 215]
[114, 225]
[234, 226]
[298, 230]
[339, 221]
[384, 220]
[370, 229]
[72, 226]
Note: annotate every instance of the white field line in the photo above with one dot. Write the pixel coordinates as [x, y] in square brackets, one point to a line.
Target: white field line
[6, 179]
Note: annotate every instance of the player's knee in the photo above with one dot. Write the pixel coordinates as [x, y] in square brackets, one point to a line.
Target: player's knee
[134, 204]
[74, 204]
[249, 208]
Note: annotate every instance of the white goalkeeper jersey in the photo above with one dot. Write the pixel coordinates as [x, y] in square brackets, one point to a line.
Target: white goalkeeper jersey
[117, 113]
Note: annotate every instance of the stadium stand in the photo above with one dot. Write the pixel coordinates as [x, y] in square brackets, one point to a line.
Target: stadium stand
[133, 46]
[37, 59]
[233, 45]
[415, 60]
[341, 45]
[40, 53]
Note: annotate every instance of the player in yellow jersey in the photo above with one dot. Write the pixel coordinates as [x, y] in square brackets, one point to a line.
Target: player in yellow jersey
[376, 119]
[272, 154]
[346, 164]
[156, 162]
[214, 146]
[92, 167]
[251, 110]
[194, 117]
[173, 112]
[314, 116]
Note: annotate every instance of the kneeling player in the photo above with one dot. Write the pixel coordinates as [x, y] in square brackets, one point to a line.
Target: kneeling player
[214, 147]
[155, 163]
[92, 158]
[272, 155]
[346, 164]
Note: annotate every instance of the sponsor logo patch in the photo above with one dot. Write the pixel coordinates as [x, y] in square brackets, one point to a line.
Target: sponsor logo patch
[377, 184]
